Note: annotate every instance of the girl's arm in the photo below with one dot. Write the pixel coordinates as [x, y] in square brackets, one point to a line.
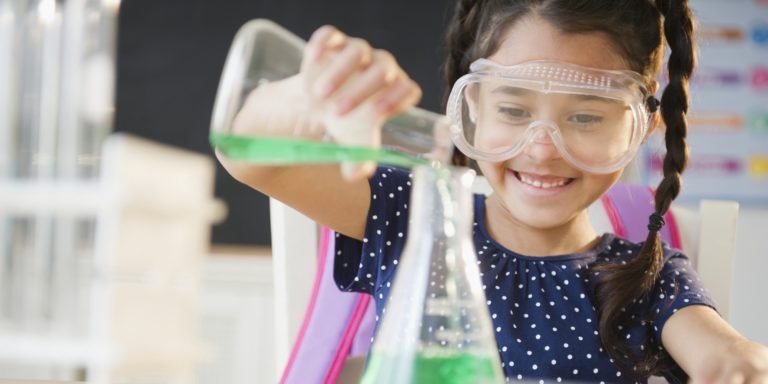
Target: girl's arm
[710, 350]
[339, 73]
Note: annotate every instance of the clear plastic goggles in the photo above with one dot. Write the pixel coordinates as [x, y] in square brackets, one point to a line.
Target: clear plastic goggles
[596, 118]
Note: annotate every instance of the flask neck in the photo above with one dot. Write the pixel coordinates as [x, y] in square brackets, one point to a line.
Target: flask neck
[441, 202]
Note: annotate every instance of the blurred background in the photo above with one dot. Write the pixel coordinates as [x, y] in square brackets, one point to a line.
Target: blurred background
[205, 271]
[171, 53]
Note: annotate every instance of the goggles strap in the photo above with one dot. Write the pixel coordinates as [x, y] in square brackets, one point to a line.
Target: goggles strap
[653, 103]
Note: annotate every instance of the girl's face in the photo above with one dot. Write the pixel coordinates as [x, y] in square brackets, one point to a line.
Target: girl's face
[538, 187]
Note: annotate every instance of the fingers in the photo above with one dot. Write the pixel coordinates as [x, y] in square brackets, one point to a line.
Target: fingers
[354, 56]
[323, 39]
[384, 83]
[353, 88]
[403, 94]
[382, 73]
[347, 72]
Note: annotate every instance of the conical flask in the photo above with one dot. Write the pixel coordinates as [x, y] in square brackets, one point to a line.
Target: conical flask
[436, 327]
[263, 54]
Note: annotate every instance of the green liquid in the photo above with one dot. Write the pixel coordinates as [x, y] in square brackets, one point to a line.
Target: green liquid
[457, 369]
[286, 151]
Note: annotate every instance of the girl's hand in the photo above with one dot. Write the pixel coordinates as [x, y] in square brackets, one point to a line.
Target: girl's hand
[345, 89]
[345, 72]
[353, 88]
[743, 361]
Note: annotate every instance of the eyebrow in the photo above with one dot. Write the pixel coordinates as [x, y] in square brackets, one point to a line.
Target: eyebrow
[517, 91]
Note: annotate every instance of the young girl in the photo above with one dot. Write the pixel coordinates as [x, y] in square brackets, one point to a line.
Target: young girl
[567, 303]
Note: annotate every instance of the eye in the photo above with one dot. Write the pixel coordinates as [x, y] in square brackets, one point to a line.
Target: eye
[585, 119]
[514, 113]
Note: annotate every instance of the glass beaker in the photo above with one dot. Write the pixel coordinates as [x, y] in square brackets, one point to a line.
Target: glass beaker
[262, 53]
[437, 328]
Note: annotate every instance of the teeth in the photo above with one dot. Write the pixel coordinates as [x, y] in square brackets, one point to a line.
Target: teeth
[539, 184]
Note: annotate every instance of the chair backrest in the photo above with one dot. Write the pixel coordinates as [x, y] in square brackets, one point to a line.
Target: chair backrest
[331, 326]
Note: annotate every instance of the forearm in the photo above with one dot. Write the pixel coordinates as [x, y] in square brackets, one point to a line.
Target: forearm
[253, 175]
[317, 191]
[695, 335]
[710, 350]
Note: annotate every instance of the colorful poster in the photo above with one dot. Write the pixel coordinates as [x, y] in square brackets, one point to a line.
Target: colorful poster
[728, 115]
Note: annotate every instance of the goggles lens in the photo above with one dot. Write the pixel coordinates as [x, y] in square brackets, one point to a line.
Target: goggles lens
[596, 120]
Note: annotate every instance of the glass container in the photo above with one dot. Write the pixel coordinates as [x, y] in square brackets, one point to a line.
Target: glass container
[264, 53]
[57, 70]
[436, 327]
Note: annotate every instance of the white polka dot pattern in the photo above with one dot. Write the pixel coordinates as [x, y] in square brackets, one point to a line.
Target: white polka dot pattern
[543, 316]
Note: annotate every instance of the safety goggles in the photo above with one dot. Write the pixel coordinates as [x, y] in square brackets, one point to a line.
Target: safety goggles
[596, 118]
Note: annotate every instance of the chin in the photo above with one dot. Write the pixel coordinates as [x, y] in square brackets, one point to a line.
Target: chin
[543, 218]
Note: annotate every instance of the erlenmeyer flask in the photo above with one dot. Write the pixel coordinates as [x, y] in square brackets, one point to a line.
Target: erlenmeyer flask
[436, 327]
[263, 52]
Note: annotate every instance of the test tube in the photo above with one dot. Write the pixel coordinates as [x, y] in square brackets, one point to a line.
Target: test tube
[55, 111]
[8, 67]
[86, 110]
[37, 132]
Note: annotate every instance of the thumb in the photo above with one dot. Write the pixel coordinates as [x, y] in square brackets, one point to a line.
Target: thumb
[360, 127]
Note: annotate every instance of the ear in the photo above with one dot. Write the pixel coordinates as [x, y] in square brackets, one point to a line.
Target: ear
[655, 120]
[654, 123]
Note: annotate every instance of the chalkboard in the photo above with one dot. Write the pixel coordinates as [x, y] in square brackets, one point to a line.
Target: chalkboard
[171, 52]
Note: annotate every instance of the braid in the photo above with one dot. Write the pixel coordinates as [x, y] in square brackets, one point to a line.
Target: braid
[460, 37]
[641, 273]
[678, 29]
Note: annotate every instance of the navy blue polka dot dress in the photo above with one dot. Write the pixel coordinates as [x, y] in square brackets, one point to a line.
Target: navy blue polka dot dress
[541, 307]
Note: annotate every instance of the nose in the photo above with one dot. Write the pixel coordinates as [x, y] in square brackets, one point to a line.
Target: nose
[540, 147]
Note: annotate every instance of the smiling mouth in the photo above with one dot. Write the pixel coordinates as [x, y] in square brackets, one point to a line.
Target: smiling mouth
[542, 182]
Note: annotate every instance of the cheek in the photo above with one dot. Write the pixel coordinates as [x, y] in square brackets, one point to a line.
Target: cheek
[491, 134]
[493, 172]
[599, 184]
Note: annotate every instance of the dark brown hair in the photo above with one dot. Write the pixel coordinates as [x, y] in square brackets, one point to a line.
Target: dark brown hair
[637, 29]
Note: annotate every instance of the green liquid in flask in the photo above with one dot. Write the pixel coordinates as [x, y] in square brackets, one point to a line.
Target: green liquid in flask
[286, 151]
[461, 368]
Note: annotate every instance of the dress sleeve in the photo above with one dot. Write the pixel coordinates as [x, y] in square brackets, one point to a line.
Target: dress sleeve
[362, 266]
[678, 287]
